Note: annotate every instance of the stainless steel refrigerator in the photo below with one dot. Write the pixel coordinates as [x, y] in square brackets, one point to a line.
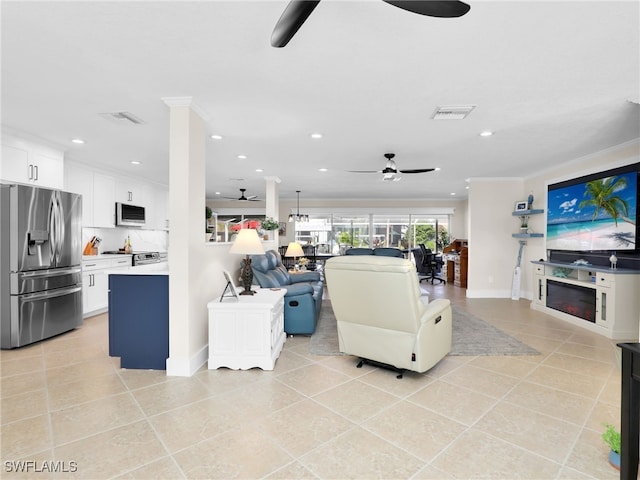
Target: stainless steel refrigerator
[40, 263]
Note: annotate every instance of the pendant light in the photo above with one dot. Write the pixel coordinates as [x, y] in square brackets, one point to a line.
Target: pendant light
[298, 217]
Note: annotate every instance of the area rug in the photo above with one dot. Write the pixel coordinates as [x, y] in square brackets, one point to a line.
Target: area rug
[471, 336]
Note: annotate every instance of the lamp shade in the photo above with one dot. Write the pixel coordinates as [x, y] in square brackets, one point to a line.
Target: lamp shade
[294, 250]
[247, 243]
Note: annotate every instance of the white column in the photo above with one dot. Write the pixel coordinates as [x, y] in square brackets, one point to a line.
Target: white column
[272, 206]
[187, 317]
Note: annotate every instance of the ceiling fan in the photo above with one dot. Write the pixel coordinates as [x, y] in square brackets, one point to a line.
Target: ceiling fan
[390, 172]
[297, 11]
[251, 198]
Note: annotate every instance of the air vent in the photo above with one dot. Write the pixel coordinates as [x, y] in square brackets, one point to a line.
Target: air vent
[458, 112]
[122, 118]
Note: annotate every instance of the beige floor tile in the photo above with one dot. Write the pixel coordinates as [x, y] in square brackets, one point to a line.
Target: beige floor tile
[80, 371]
[165, 468]
[360, 454]
[22, 353]
[591, 456]
[603, 413]
[166, 396]
[346, 364]
[386, 380]
[69, 394]
[460, 404]
[222, 380]
[23, 383]
[39, 465]
[538, 433]
[611, 393]
[477, 452]
[556, 403]
[572, 382]
[579, 365]
[22, 406]
[313, 379]
[483, 381]
[432, 473]
[289, 360]
[135, 379]
[262, 398]
[302, 427]
[82, 354]
[589, 352]
[244, 453]
[188, 425]
[293, 471]
[415, 429]
[24, 437]
[447, 365]
[511, 365]
[114, 452]
[21, 366]
[355, 400]
[84, 420]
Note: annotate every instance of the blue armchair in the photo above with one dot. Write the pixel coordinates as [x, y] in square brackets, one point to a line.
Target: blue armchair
[303, 299]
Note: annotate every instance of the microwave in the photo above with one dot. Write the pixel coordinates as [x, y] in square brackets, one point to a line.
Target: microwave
[129, 215]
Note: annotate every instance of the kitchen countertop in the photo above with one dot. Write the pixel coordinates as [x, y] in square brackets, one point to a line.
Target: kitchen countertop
[161, 268]
[105, 256]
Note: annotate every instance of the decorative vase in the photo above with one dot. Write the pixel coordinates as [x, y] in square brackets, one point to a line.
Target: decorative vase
[614, 459]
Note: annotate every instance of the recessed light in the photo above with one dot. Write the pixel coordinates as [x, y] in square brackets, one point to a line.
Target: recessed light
[79, 141]
[486, 133]
[217, 193]
[323, 169]
[316, 135]
[259, 170]
[437, 169]
[217, 137]
[135, 162]
[242, 157]
[467, 187]
[452, 193]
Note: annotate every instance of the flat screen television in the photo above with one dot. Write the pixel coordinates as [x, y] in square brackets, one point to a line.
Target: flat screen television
[597, 212]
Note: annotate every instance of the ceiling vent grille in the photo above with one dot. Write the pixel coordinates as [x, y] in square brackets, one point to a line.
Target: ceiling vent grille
[457, 112]
[122, 118]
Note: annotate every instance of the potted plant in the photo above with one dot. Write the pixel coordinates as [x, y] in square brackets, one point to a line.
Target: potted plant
[269, 225]
[208, 213]
[611, 437]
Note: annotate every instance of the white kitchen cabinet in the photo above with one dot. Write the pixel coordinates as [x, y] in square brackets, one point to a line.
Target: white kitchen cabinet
[95, 282]
[104, 203]
[133, 193]
[24, 161]
[160, 210]
[80, 180]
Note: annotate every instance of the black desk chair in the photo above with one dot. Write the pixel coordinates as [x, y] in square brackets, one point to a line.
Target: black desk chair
[431, 265]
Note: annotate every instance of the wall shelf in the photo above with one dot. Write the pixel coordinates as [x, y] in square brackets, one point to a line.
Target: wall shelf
[527, 235]
[524, 220]
[525, 213]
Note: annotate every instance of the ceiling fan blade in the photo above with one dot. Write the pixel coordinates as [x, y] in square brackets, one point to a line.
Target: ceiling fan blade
[418, 170]
[294, 15]
[432, 8]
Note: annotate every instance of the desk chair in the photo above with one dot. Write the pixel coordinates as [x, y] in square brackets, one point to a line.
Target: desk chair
[430, 264]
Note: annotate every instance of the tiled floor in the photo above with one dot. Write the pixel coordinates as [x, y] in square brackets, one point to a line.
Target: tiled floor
[538, 417]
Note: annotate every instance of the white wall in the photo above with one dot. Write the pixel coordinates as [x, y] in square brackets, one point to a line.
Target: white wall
[492, 250]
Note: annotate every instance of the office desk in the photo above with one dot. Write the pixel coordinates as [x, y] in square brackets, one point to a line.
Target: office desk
[630, 411]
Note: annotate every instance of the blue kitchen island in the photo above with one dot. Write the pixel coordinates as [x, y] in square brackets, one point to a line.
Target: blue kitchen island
[139, 316]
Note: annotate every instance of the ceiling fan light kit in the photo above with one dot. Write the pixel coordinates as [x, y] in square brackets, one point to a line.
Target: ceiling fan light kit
[390, 171]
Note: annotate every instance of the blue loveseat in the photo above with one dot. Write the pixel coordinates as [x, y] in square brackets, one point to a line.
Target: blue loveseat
[303, 299]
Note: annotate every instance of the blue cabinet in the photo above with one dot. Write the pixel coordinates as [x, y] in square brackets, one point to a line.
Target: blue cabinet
[139, 320]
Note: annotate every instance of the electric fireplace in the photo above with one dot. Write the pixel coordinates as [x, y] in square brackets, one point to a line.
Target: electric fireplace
[572, 299]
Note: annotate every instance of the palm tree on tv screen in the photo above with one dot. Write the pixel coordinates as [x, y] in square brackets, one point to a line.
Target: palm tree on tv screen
[603, 196]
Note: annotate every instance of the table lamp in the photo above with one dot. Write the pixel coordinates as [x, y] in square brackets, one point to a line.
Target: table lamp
[294, 250]
[247, 243]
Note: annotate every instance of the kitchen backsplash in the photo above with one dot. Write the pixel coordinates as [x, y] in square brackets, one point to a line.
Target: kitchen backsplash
[114, 238]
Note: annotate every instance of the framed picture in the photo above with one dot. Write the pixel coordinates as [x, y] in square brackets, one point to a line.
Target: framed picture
[231, 287]
[282, 228]
[521, 206]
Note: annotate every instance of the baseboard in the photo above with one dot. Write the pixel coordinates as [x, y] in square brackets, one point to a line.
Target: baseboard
[187, 367]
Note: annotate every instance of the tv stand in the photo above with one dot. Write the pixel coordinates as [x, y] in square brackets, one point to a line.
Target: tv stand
[600, 299]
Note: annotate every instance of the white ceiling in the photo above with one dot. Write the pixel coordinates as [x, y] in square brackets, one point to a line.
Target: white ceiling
[552, 79]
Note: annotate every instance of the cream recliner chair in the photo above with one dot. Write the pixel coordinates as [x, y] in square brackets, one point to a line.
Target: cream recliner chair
[381, 315]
